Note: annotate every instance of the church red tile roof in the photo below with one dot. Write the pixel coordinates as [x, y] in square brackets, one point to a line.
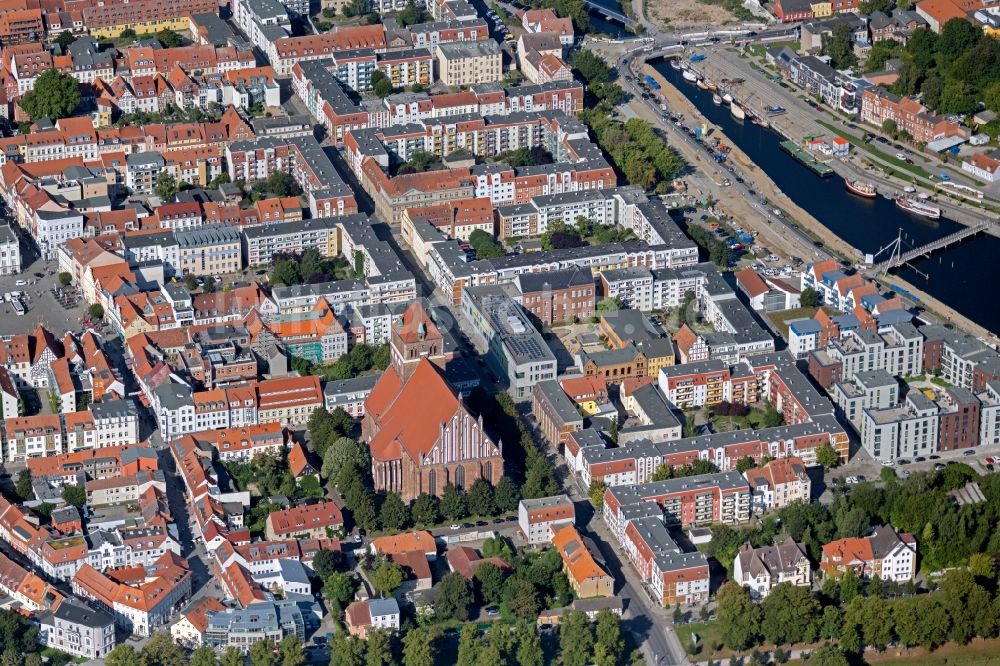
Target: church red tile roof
[410, 415]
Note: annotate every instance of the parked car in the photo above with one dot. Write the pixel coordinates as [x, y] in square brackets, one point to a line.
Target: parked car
[968, 453]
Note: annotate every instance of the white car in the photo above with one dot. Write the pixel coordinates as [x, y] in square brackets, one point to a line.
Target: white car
[455, 527]
[21, 283]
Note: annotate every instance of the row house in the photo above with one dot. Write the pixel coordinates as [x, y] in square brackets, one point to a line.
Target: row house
[140, 607]
[879, 105]
[286, 52]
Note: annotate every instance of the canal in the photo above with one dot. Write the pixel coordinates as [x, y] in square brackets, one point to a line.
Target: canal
[956, 276]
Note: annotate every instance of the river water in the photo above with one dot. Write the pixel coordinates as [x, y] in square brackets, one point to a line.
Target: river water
[958, 276]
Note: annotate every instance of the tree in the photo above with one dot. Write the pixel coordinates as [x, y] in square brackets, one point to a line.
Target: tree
[991, 96]
[480, 498]
[387, 578]
[827, 456]
[190, 282]
[866, 7]
[168, 38]
[339, 587]
[453, 503]
[65, 39]
[809, 298]
[324, 564]
[96, 311]
[957, 37]
[738, 617]
[127, 33]
[608, 633]
[74, 495]
[982, 566]
[788, 615]
[286, 272]
[54, 96]
[468, 646]
[203, 656]
[23, 485]
[596, 493]
[612, 304]
[209, 286]
[745, 463]
[381, 85]
[262, 653]
[394, 514]
[521, 598]
[489, 581]
[165, 186]
[425, 510]
[506, 495]
[418, 649]
[342, 458]
[576, 641]
[346, 650]
[291, 651]
[889, 126]
[65, 279]
[454, 598]
[828, 655]
[123, 654]
[590, 66]
[161, 650]
[378, 651]
[529, 646]
[839, 47]
[232, 657]
[876, 623]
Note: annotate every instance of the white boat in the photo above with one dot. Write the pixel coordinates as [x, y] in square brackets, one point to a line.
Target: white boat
[911, 205]
[716, 99]
[690, 76]
[727, 98]
[701, 84]
[737, 111]
[675, 63]
[909, 188]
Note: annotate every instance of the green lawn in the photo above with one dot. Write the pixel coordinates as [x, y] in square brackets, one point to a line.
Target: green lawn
[976, 653]
[781, 319]
[871, 148]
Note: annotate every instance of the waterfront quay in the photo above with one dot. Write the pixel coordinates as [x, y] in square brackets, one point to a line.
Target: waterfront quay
[795, 217]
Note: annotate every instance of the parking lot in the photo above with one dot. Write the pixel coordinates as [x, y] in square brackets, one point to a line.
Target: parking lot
[39, 301]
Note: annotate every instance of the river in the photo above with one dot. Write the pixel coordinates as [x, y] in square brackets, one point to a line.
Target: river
[955, 276]
[612, 29]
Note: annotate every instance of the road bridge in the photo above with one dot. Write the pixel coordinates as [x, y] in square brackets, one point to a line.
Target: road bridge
[608, 13]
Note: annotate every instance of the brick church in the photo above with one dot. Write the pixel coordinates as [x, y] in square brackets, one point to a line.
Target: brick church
[418, 429]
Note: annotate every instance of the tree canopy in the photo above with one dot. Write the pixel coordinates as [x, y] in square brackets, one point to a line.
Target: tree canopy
[55, 95]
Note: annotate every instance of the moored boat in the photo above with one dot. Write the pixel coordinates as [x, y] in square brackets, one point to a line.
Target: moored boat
[911, 205]
[675, 63]
[716, 99]
[861, 188]
[727, 98]
[690, 76]
[701, 84]
[737, 111]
